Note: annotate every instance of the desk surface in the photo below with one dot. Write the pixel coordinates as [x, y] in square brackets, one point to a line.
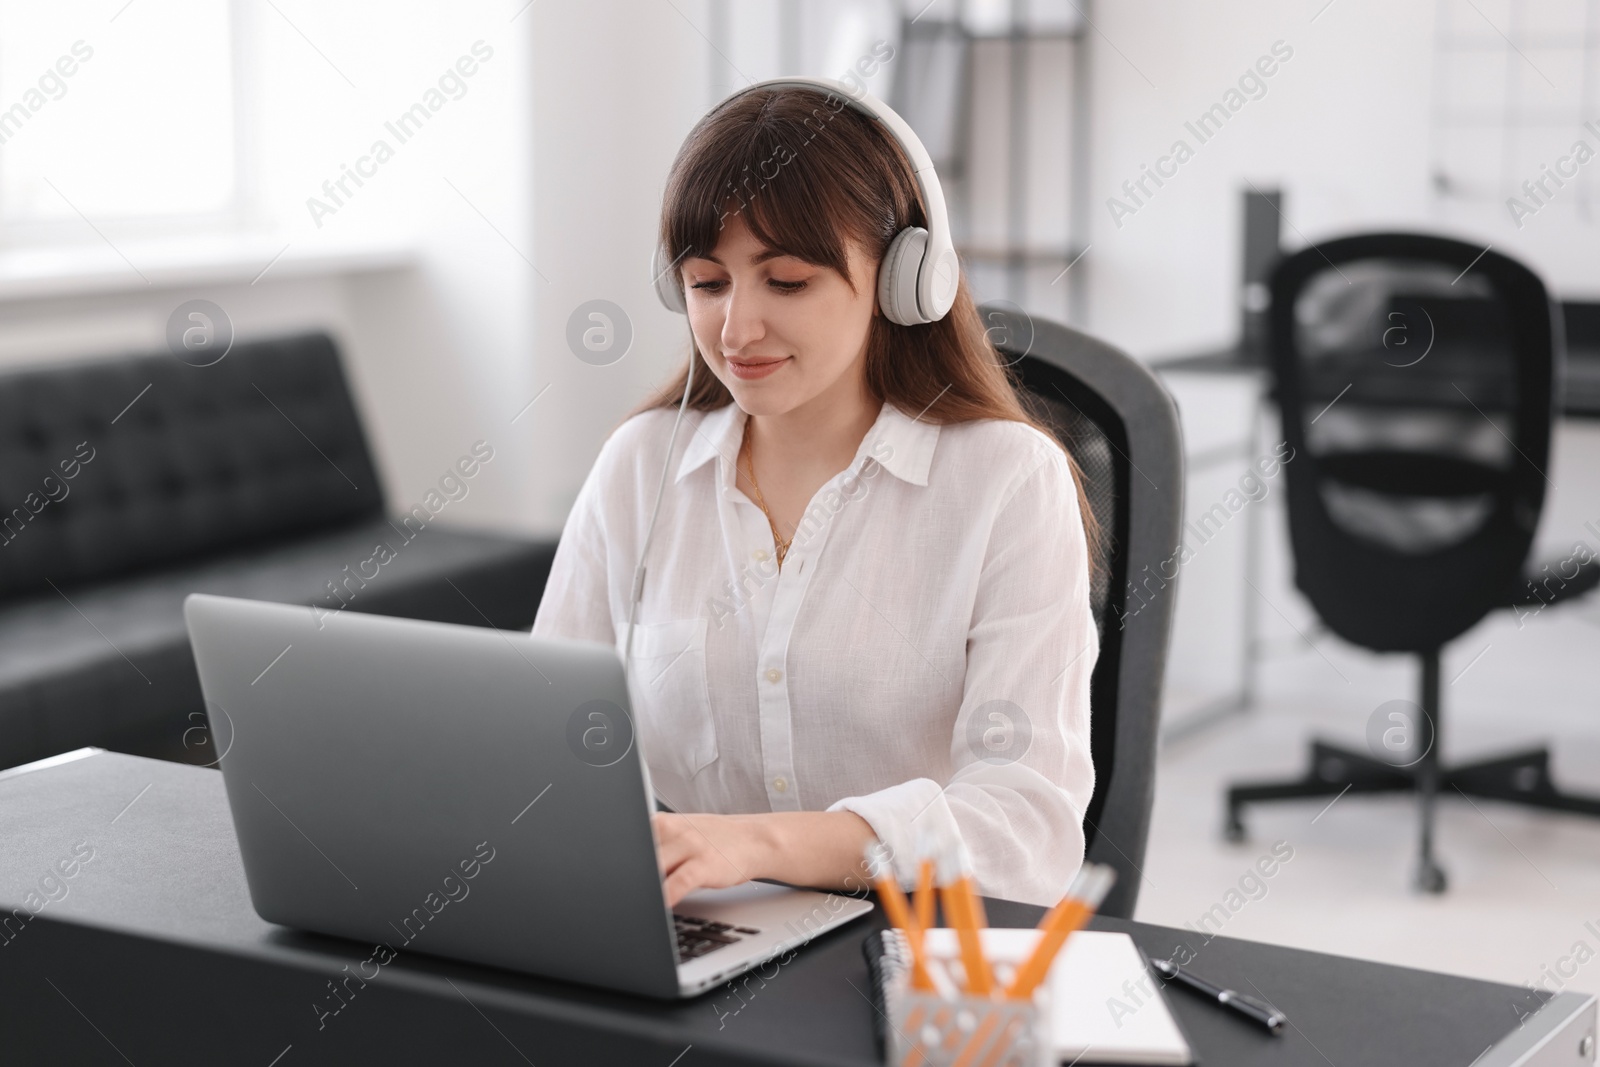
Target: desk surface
[155, 944]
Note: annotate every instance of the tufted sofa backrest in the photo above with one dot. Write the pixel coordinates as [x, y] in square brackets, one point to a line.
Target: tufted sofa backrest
[120, 465]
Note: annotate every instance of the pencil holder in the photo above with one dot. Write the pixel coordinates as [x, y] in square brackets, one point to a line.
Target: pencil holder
[930, 1030]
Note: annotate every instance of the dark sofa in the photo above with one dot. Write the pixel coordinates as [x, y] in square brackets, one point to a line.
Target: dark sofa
[126, 484]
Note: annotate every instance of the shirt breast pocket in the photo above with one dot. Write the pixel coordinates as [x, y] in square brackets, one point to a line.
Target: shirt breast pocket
[671, 698]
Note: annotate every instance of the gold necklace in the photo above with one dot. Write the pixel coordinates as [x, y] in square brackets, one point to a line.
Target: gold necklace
[781, 544]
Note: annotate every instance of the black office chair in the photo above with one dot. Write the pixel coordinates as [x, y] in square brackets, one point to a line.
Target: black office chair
[1416, 379]
[1122, 427]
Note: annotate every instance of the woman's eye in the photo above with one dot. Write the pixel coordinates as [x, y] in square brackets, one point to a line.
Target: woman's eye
[782, 287]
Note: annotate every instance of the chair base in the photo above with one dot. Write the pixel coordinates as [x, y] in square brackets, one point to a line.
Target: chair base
[1520, 778]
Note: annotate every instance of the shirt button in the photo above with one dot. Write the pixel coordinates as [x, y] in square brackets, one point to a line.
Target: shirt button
[780, 783]
[774, 674]
[760, 555]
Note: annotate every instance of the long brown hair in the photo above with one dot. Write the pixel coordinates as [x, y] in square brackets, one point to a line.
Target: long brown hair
[806, 173]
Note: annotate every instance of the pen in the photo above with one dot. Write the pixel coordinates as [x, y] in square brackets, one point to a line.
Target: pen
[1249, 1007]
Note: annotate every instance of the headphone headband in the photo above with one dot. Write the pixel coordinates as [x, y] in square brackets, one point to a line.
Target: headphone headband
[919, 274]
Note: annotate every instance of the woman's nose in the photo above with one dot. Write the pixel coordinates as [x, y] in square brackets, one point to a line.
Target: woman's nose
[742, 323]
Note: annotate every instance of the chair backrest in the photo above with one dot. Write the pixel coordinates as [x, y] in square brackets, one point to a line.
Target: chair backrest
[1121, 426]
[1414, 379]
[113, 466]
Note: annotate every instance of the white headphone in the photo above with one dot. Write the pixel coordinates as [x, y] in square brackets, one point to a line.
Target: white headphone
[918, 277]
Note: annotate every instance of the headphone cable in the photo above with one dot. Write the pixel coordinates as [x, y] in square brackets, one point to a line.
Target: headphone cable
[638, 574]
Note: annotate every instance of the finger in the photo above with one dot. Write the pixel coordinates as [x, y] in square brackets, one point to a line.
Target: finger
[674, 828]
[680, 883]
[673, 852]
[670, 859]
[667, 835]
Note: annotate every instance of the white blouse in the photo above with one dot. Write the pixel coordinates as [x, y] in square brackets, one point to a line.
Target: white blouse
[922, 659]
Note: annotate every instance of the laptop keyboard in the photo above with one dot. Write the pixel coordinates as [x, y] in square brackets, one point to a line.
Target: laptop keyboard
[696, 937]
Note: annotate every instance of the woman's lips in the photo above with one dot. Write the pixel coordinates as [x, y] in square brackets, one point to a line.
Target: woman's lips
[752, 371]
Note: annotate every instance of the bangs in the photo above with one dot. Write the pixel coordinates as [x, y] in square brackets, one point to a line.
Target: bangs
[775, 161]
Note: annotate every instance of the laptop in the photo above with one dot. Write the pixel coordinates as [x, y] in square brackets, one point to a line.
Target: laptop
[463, 792]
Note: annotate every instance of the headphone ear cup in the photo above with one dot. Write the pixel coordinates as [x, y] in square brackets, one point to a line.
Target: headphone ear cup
[897, 276]
[943, 280]
[664, 273]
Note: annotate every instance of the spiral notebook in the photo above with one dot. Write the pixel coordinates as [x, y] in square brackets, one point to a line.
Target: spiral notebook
[1098, 1018]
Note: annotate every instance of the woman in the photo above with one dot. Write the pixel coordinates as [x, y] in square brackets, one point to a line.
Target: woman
[866, 611]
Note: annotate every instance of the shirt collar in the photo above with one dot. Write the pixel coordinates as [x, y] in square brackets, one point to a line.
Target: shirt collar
[901, 444]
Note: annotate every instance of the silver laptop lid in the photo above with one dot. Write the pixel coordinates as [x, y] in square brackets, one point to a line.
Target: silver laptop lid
[430, 787]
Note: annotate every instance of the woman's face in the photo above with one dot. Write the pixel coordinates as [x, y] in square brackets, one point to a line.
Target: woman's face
[779, 332]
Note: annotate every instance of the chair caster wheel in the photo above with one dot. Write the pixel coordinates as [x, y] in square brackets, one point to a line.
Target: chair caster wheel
[1234, 830]
[1431, 878]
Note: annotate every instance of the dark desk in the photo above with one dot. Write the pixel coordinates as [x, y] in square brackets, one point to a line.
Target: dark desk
[1580, 395]
[154, 955]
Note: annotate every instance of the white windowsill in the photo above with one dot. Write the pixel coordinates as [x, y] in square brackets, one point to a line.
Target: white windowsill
[228, 259]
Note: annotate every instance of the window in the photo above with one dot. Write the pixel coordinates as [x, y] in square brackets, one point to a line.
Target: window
[121, 114]
[1516, 87]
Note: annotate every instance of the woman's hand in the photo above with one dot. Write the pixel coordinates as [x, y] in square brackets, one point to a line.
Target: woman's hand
[812, 848]
[708, 851]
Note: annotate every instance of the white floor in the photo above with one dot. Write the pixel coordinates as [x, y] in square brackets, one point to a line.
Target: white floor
[1523, 884]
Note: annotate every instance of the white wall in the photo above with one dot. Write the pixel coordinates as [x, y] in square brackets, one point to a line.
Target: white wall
[439, 353]
[615, 87]
[1343, 128]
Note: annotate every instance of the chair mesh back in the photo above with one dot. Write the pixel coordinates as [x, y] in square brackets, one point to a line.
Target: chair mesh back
[1090, 447]
[1414, 381]
[1409, 399]
[1084, 422]
[1110, 412]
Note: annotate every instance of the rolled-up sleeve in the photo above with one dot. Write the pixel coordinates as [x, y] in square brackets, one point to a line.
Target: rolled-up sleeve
[1022, 774]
